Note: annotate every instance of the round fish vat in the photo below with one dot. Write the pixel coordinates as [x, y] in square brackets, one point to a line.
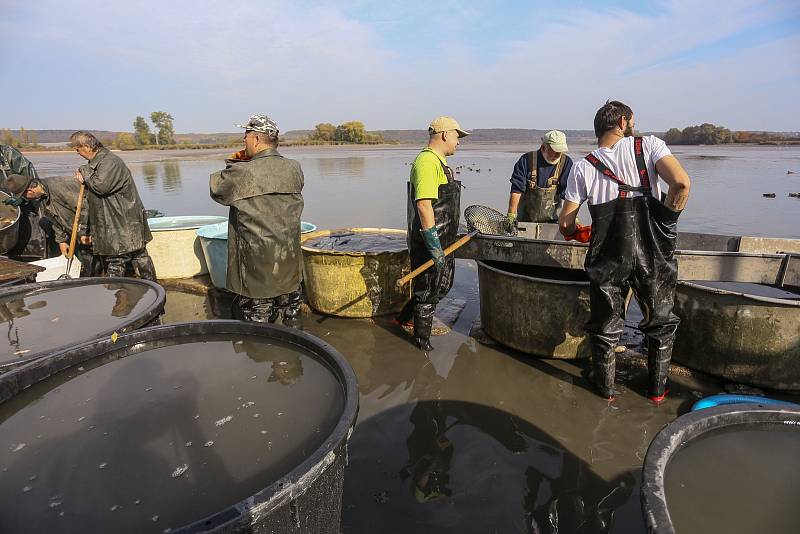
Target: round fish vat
[175, 248]
[739, 332]
[536, 310]
[347, 275]
[9, 224]
[212, 426]
[51, 316]
[214, 243]
[728, 469]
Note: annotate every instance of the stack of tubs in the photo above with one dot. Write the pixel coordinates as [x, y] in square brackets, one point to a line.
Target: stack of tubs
[175, 248]
[220, 426]
[352, 282]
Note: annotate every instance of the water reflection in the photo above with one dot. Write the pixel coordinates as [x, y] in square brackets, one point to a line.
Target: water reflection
[287, 367]
[150, 175]
[170, 174]
[126, 297]
[350, 167]
[474, 468]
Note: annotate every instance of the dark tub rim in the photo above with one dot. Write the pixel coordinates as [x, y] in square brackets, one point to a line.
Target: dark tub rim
[485, 265]
[788, 303]
[281, 491]
[686, 428]
[143, 318]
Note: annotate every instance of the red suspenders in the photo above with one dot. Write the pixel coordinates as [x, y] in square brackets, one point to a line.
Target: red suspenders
[624, 188]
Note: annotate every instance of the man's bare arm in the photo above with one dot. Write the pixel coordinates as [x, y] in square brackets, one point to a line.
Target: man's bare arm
[425, 209]
[670, 169]
[566, 221]
[513, 202]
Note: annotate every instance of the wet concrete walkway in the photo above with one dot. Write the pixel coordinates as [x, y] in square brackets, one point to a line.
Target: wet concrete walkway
[475, 437]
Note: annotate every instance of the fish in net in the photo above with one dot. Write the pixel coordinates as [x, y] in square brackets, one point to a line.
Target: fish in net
[488, 221]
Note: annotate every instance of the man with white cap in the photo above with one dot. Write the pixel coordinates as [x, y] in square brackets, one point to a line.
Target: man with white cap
[538, 181]
[433, 212]
[264, 192]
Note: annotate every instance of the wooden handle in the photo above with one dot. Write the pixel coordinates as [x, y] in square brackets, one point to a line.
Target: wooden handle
[75, 223]
[428, 264]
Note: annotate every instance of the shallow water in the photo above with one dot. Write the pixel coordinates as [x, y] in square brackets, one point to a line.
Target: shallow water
[57, 317]
[738, 480]
[366, 186]
[478, 438]
[359, 242]
[175, 432]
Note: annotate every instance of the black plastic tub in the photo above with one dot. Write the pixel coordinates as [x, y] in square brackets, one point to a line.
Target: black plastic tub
[48, 317]
[724, 472]
[156, 421]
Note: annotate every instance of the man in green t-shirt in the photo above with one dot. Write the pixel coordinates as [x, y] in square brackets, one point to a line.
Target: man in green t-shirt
[433, 209]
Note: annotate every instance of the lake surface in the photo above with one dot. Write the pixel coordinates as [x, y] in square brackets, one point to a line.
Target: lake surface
[366, 186]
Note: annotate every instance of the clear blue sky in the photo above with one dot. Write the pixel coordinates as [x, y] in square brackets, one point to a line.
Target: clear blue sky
[513, 64]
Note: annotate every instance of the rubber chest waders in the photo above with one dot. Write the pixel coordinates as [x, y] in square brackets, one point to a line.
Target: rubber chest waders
[632, 246]
[431, 286]
[540, 204]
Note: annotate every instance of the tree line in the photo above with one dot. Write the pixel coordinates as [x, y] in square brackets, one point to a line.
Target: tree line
[25, 140]
[352, 132]
[705, 134]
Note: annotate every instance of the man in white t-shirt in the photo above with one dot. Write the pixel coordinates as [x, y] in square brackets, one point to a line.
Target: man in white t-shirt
[631, 241]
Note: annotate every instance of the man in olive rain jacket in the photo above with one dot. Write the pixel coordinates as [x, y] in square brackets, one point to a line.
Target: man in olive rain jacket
[263, 190]
[116, 215]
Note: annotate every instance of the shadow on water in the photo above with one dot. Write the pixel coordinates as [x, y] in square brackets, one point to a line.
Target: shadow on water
[453, 466]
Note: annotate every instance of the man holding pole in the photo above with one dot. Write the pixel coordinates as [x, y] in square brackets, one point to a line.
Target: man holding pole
[433, 212]
[116, 215]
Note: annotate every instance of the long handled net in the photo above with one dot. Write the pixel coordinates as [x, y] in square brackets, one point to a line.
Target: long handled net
[486, 220]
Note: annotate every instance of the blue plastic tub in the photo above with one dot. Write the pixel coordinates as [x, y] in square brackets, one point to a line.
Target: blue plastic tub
[214, 242]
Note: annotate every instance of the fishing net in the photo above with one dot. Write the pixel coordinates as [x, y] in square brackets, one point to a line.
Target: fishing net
[488, 221]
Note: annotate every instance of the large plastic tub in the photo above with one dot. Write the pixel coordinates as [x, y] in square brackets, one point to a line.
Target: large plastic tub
[740, 332]
[537, 310]
[355, 283]
[214, 244]
[172, 438]
[175, 248]
[46, 317]
[731, 469]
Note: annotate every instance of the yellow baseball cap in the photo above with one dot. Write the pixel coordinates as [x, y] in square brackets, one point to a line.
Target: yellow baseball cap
[557, 140]
[445, 124]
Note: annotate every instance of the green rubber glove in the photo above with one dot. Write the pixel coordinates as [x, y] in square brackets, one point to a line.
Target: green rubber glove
[14, 201]
[434, 246]
[512, 222]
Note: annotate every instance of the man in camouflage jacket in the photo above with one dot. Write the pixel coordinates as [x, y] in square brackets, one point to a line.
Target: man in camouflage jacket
[263, 190]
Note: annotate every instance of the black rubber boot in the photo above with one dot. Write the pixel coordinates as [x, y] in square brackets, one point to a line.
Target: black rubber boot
[658, 359]
[423, 323]
[291, 309]
[603, 368]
